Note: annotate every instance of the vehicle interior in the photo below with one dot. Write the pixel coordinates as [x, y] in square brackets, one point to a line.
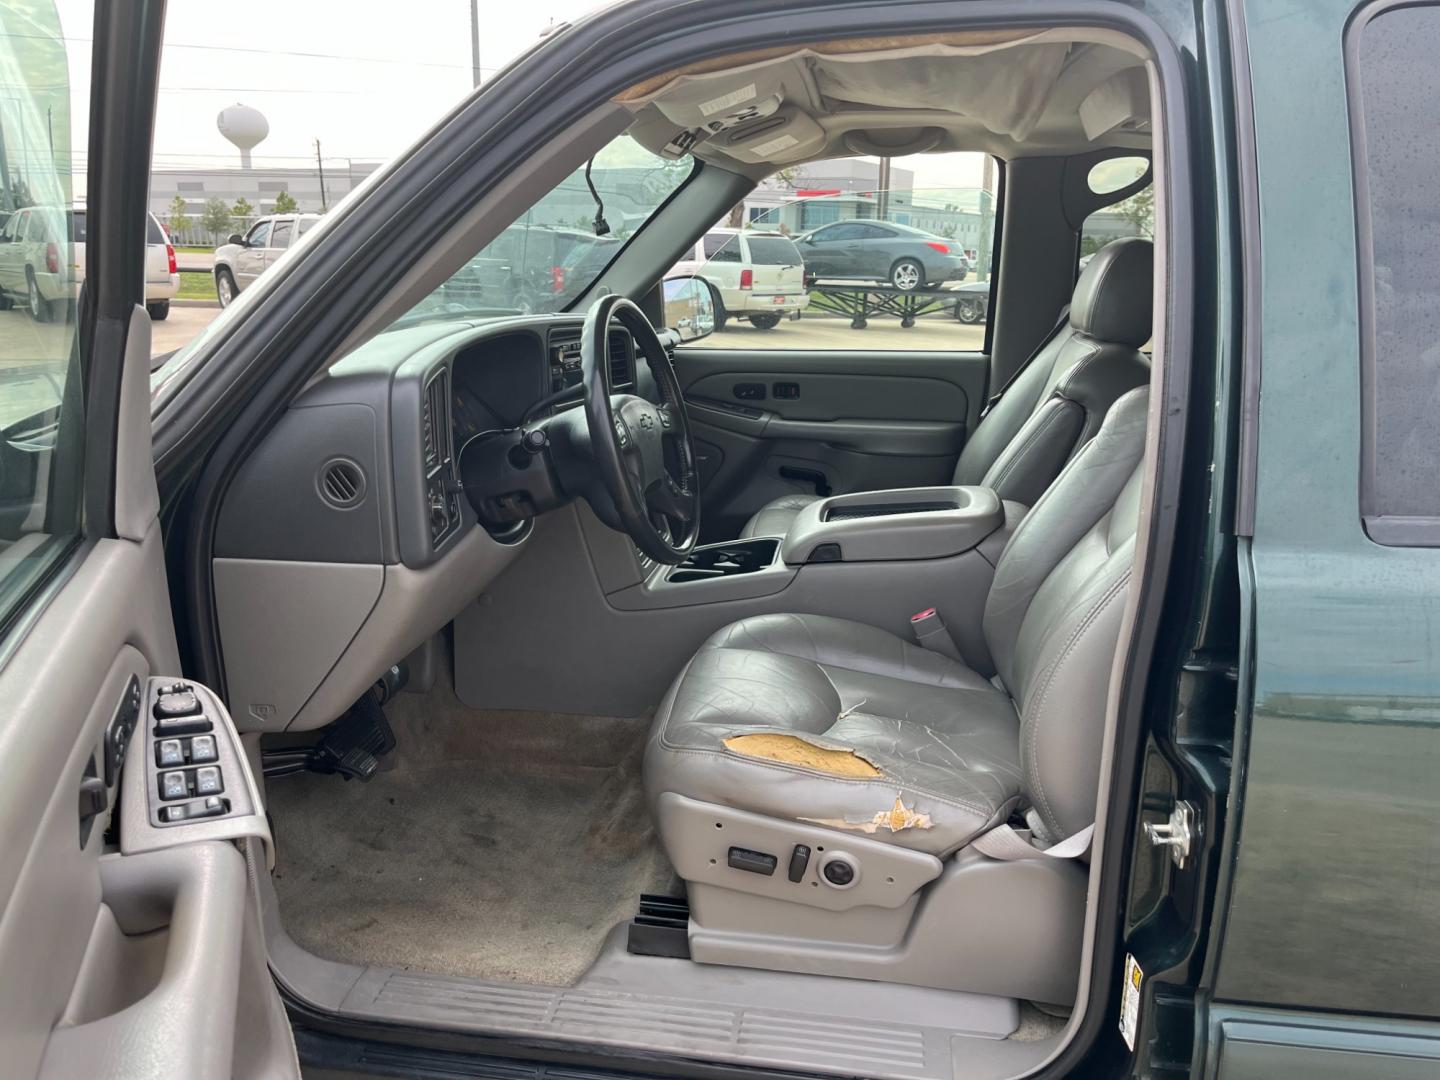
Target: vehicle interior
[580, 678]
[538, 761]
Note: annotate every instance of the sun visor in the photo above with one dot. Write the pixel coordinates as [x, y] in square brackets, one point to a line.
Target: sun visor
[1121, 102]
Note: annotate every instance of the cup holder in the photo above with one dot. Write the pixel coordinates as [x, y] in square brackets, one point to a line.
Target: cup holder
[726, 560]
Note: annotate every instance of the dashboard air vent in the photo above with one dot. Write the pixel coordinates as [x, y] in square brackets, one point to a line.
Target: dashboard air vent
[341, 483]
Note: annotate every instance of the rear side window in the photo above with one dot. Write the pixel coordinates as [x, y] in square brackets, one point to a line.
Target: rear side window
[280, 234]
[303, 226]
[1394, 82]
[722, 248]
[77, 227]
[153, 233]
[773, 251]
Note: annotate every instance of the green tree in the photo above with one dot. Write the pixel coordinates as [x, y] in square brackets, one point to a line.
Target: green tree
[1139, 211]
[178, 220]
[215, 219]
[241, 212]
[285, 203]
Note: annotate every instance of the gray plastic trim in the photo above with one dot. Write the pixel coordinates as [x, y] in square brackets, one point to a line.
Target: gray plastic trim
[930, 534]
[185, 1026]
[698, 836]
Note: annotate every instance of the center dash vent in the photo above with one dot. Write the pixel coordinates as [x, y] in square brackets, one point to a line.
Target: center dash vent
[341, 483]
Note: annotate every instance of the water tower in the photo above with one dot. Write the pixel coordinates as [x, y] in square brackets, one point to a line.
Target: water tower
[243, 126]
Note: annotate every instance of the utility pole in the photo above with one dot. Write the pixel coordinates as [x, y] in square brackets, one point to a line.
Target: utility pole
[320, 165]
[882, 207]
[987, 180]
[475, 41]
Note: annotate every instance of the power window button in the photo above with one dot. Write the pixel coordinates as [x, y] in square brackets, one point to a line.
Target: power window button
[207, 781]
[202, 749]
[173, 786]
[168, 752]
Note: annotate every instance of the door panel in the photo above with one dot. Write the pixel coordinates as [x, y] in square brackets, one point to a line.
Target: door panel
[116, 964]
[774, 422]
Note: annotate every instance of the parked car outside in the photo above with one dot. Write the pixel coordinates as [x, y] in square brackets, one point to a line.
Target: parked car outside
[884, 251]
[758, 277]
[241, 259]
[972, 302]
[42, 261]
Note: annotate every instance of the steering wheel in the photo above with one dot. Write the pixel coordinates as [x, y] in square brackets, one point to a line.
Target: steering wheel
[641, 449]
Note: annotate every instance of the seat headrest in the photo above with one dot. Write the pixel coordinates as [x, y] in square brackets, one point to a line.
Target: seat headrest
[1113, 297]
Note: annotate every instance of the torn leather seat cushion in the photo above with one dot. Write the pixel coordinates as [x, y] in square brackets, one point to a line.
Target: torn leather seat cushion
[823, 720]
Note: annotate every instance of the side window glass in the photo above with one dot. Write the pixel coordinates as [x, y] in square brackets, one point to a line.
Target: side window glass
[1134, 216]
[280, 234]
[42, 420]
[821, 257]
[259, 235]
[1393, 81]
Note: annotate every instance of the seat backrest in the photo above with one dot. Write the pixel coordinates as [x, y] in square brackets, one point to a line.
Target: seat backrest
[1057, 403]
[1052, 618]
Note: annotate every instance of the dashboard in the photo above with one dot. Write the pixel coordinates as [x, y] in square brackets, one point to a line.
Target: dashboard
[345, 540]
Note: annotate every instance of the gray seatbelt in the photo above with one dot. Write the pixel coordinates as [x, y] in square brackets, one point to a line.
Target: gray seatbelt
[1049, 337]
[1010, 845]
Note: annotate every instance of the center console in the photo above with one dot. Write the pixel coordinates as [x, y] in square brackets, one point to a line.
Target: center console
[886, 526]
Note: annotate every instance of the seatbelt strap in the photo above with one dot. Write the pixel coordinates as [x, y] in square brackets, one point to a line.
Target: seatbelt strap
[995, 397]
[1011, 845]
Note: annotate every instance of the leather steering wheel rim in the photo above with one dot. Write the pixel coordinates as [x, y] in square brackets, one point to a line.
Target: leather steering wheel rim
[629, 437]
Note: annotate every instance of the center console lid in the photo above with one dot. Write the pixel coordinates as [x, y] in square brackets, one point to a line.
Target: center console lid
[881, 526]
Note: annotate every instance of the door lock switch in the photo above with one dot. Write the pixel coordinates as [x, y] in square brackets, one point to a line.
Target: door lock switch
[754, 862]
[214, 806]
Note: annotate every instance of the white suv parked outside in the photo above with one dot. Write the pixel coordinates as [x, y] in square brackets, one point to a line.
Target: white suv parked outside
[42, 261]
[755, 276]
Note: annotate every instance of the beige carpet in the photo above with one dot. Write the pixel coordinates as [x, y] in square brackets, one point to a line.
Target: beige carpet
[498, 845]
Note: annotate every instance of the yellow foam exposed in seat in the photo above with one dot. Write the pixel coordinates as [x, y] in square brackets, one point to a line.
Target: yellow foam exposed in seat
[793, 750]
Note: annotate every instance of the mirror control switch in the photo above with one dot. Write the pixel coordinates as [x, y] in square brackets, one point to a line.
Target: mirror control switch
[169, 753]
[173, 786]
[181, 725]
[207, 781]
[202, 749]
[182, 703]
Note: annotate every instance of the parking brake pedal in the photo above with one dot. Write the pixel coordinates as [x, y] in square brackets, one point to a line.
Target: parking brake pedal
[352, 747]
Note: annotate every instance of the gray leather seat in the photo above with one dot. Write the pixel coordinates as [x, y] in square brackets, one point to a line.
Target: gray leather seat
[871, 730]
[1057, 403]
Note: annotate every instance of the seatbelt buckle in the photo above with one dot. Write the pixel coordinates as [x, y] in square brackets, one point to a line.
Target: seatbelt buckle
[930, 632]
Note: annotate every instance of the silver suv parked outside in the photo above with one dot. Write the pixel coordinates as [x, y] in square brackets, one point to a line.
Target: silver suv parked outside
[242, 259]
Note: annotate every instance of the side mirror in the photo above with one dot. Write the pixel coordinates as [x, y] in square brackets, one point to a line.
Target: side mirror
[236, 238]
[689, 307]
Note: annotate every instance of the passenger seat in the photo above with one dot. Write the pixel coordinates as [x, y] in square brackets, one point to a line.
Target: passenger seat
[1055, 405]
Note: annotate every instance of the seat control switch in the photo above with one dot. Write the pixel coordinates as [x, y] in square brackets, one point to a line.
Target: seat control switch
[754, 862]
[799, 861]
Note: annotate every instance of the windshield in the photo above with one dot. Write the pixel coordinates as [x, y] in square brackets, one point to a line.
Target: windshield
[551, 254]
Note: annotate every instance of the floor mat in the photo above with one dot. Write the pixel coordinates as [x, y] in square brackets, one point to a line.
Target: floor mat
[498, 845]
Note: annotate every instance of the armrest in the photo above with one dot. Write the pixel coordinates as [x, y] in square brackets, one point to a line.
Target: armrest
[907, 523]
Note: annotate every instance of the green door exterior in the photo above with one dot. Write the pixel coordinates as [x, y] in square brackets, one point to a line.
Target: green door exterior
[1333, 904]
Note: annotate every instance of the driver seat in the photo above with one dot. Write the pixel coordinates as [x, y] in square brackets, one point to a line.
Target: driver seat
[789, 731]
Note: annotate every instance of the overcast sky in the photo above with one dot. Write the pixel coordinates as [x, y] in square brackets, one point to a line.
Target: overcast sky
[365, 79]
